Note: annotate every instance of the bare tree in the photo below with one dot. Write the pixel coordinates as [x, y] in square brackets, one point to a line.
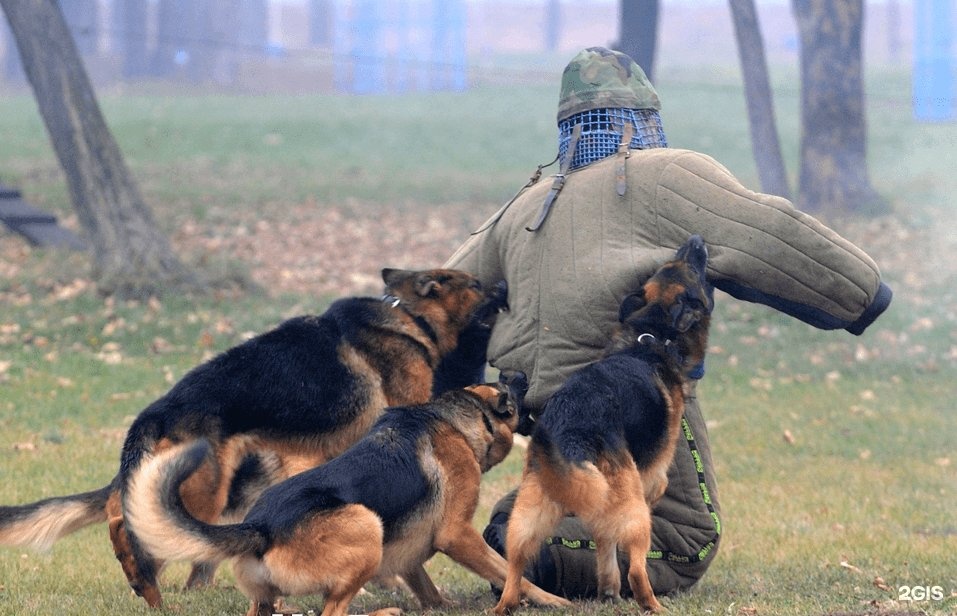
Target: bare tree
[757, 89]
[638, 32]
[131, 256]
[833, 173]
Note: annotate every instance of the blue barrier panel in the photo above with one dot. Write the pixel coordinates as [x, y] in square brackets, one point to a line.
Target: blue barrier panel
[368, 75]
[448, 45]
[933, 78]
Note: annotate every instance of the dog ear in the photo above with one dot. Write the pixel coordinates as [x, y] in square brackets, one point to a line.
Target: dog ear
[517, 386]
[506, 406]
[694, 252]
[426, 285]
[684, 316]
[499, 296]
[631, 304]
[516, 383]
[392, 277]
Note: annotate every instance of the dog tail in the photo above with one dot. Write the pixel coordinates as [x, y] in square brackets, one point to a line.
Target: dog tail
[571, 479]
[41, 524]
[155, 511]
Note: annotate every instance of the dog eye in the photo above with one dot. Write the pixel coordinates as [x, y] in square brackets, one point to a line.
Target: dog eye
[476, 284]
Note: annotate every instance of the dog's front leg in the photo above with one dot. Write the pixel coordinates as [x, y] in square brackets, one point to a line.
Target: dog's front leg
[425, 591]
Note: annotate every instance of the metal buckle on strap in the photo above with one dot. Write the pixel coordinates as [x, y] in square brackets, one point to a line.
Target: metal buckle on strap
[559, 182]
[624, 151]
[501, 212]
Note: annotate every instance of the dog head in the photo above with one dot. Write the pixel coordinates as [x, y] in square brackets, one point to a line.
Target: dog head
[501, 408]
[673, 306]
[445, 299]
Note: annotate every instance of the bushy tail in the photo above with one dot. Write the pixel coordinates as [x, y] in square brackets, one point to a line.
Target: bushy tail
[155, 512]
[576, 484]
[41, 524]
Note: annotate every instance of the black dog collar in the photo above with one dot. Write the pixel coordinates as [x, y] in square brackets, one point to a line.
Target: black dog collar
[395, 302]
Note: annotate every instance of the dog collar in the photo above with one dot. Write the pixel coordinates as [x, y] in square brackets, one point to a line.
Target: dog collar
[647, 338]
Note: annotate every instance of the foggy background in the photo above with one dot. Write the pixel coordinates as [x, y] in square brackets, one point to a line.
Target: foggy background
[308, 46]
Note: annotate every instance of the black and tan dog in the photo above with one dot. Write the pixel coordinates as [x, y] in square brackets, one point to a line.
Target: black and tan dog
[275, 405]
[605, 439]
[406, 490]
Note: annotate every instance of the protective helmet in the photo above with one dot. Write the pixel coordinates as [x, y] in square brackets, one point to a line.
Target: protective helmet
[600, 78]
[603, 92]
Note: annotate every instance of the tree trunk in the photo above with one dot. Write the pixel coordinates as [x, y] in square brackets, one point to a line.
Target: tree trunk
[131, 257]
[833, 174]
[757, 90]
[129, 19]
[81, 18]
[638, 32]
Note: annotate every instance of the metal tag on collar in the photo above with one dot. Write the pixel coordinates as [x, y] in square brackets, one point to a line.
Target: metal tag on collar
[392, 300]
[647, 338]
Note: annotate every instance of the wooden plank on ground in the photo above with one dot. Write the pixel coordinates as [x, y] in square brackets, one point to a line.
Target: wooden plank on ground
[38, 227]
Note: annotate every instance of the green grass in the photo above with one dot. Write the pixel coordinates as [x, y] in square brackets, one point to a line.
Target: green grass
[865, 489]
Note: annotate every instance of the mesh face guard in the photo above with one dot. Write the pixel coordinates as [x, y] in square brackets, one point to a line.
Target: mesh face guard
[602, 131]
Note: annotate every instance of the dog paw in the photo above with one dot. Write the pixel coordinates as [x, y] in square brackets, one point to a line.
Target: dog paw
[387, 611]
[555, 602]
[610, 597]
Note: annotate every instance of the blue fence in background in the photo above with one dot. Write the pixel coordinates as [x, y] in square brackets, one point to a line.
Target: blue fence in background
[400, 46]
[933, 79]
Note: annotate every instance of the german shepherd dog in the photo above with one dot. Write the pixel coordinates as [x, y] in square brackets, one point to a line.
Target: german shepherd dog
[605, 439]
[275, 405]
[407, 489]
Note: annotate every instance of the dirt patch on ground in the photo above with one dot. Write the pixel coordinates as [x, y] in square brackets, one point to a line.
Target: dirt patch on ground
[332, 249]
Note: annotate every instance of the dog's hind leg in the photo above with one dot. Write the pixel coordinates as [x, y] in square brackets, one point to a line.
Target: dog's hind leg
[636, 541]
[533, 517]
[140, 575]
[606, 564]
[466, 547]
[424, 589]
[201, 575]
[627, 522]
[334, 553]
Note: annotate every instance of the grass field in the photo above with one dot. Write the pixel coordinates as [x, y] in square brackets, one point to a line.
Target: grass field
[835, 453]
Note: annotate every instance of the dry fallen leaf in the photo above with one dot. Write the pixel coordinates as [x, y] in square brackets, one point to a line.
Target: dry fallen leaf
[849, 566]
[206, 340]
[160, 345]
